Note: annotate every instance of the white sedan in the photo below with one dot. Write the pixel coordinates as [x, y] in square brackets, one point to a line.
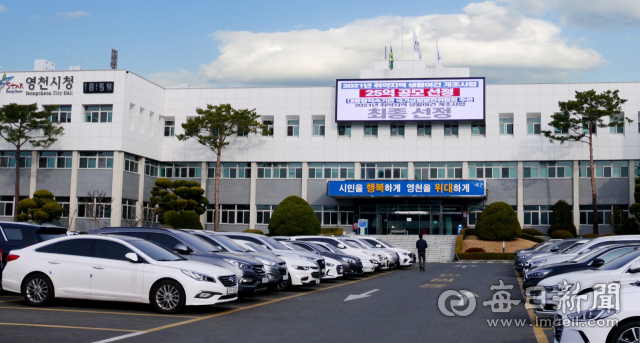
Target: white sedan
[115, 268]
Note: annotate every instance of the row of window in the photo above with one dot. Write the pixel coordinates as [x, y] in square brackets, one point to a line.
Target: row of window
[541, 215]
[239, 214]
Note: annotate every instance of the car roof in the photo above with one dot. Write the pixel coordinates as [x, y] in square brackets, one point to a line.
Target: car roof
[31, 225]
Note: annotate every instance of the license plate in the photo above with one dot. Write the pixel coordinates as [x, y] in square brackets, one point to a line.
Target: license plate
[265, 280]
[232, 290]
[285, 277]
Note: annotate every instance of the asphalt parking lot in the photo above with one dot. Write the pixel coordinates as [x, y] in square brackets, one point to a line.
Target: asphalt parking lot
[401, 306]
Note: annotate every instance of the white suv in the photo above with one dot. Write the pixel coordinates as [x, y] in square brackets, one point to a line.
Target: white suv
[406, 257]
[370, 260]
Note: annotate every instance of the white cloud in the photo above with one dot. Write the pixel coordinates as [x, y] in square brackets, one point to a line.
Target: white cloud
[494, 41]
[72, 14]
[2, 9]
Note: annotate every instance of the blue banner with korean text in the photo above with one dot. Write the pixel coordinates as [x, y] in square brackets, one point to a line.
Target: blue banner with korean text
[406, 188]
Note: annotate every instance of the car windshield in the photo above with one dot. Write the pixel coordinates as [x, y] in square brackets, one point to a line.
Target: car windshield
[383, 243]
[48, 233]
[573, 248]
[155, 251]
[541, 246]
[294, 247]
[225, 242]
[260, 248]
[621, 261]
[351, 244]
[326, 246]
[196, 243]
[273, 243]
[365, 244]
[585, 257]
[318, 247]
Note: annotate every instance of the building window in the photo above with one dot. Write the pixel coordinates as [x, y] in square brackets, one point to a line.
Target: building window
[327, 215]
[537, 215]
[346, 215]
[371, 130]
[434, 171]
[264, 212]
[636, 168]
[90, 208]
[65, 202]
[450, 129]
[331, 170]
[534, 170]
[279, 170]
[618, 128]
[344, 130]
[55, 159]
[131, 163]
[395, 170]
[6, 205]
[506, 125]
[533, 124]
[605, 212]
[293, 128]
[98, 114]
[96, 159]
[151, 168]
[478, 129]
[150, 215]
[128, 209]
[318, 127]
[605, 169]
[474, 213]
[181, 170]
[397, 130]
[230, 170]
[8, 159]
[229, 214]
[493, 170]
[561, 131]
[424, 129]
[638, 121]
[267, 130]
[169, 128]
[61, 114]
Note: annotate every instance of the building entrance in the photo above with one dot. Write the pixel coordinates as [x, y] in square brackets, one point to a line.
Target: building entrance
[428, 219]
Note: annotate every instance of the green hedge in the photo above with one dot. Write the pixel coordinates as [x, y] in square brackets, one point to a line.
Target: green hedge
[331, 231]
[498, 222]
[259, 232]
[590, 235]
[532, 238]
[533, 232]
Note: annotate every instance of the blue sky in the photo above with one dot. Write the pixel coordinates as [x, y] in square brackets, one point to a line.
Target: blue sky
[312, 43]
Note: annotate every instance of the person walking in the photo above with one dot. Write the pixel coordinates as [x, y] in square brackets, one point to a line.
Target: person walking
[422, 246]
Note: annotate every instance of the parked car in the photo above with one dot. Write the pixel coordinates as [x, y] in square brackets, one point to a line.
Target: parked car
[351, 265]
[582, 262]
[275, 267]
[406, 257]
[537, 246]
[19, 235]
[390, 257]
[557, 246]
[623, 270]
[370, 260]
[334, 268]
[115, 268]
[250, 272]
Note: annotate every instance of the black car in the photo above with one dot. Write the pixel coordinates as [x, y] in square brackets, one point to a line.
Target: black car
[251, 274]
[350, 265]
[591, 261]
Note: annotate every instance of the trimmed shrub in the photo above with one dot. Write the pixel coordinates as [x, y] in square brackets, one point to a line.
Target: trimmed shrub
[562, 219]
[561, 234]
[475, 250]
[470, 232]
[42, 208]
[533, 232]
[182, 220]
[331, 231]
[498, 222]
[259, 232]
[608, 234]
[590, 235]
[293, 217]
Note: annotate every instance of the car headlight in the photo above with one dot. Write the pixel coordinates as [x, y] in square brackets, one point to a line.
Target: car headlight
[301, 267]
[589, 315]
[330, 264]
[404, 253]
[525, 255]
[238, 264]
[558, 288]
[198, 276]
[307, 258]
[266, 262]
[538, 273]
[348, 260]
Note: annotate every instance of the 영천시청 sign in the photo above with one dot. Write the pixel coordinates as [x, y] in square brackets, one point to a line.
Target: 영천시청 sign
[406, 188]
[410, 99]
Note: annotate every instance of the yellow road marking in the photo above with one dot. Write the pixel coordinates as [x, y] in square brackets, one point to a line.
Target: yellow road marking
[442, 280]
[8, 301]
[449, 275]
[67, 327]
[433, 285]
[96, 312]
[541, 337]
[258, 305]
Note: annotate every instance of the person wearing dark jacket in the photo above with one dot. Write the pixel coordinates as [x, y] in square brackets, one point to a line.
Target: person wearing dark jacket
[422, 246]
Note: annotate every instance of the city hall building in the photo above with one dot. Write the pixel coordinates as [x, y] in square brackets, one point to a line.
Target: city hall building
[424, 152]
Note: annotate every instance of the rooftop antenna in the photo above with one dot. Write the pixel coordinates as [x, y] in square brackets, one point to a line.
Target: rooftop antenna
[402, 37]
[67, 47]
[82, 60]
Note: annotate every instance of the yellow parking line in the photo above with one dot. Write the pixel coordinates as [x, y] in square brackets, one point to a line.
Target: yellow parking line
[541, 337]
[258, 305]
[96, 312]
[67, 327]
[8, 301]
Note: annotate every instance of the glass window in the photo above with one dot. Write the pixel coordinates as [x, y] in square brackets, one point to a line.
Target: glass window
[605, 169]
[438, 170]
[279, 170]
[131, 163]
[6, 205]
[181, 170]
[129, 209]
[533, 170]
[229, 214]
[397, 130]
[94, 207]
[96, 159]
[150, 215]
[151, 167]
[450, 129]
[318, 127]
[76, 247]
[267, 130]
[367, 170]
[636, 168]
[293, 128]
[395, 170]
[506, 125]
[98, 114]
[61, 114]
[618, 128]
[371, 130]
[110, 250]
[533, 124]
[478, 129]
[424, 129]
[537, 215]
[493, 170]
[8, 159]
[346, 215]
[169, 128]
[65, 202]
[327, 215]
[163, 240]
[55, 159]
[264, 213]
[332, 170]
[344, 130]
[230, 170]
[585, 126]
[605, 212]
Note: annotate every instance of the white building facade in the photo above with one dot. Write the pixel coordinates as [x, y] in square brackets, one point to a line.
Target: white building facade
[120, 142]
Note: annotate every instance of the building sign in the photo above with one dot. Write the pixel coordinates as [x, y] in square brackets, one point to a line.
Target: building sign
[363, 100]
[98, 87]
[11, 87]
[38, 85]
[406, 188]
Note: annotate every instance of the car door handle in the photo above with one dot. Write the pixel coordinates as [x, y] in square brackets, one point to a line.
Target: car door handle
[54, 262]
[98, 267]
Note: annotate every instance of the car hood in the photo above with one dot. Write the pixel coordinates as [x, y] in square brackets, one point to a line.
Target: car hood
[228, 255]
[399, 250]
[268, 257]
[195, 266]
[554, 258]
[585, 277]
[292, 260]
[298, 253]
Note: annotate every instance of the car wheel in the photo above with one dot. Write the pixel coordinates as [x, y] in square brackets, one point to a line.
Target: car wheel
[627, 332]
[37, 290]
[167, 297]
[282, 285]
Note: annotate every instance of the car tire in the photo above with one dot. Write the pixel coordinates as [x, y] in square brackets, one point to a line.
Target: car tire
[282, 285]
[37, 290]
[628, 329]
[167, 297]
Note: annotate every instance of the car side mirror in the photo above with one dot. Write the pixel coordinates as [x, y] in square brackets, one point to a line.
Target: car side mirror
[597, 262]
[378, 246]
[635, 268]
[132, 257]
[554, 249]
[341, 246]
[182, 249]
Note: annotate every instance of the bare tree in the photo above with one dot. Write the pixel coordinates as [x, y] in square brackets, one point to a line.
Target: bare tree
[96, 206]
[72, 218]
